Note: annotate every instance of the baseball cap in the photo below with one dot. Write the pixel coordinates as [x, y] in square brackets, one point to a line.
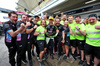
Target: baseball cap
[51, 18]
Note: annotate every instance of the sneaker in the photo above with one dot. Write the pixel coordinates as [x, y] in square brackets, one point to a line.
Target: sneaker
[86, 64]
[73, 56]
[58, 57]
[78, 56]
[30, 63]
[24, 61]
[56, 52]
[33, 53]
[46, 56]
[81, 62]
[52, 56]
[43, 58]
[41, 64]
[65, 57]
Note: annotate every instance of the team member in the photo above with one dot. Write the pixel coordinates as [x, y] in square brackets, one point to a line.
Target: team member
[66, 38]
[34, 41]
[71, 23]
[40, 33]
[50, 39]
[29, 31]
[10, 35]
[45, 18]
[80, 39]
[92, 45]
[58, 38]
[64, 17]
[21, 41]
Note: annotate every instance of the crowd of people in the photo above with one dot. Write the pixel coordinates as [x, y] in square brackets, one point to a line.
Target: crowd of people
[78, 38]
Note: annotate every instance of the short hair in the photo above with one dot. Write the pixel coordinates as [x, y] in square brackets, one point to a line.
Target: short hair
[12, 12]
[58, 18]
[23, 14]
[70, 16]
[78, 16]
[92, 15]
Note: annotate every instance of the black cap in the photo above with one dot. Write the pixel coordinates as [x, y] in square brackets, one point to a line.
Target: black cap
[92, 15]
[36, 16]
[29, 15]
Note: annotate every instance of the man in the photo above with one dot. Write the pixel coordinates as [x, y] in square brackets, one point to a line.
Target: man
[58, 38]
[92, 46]
[10, 35]
[21, 41]
[34, 41]
[72, 37]
[38, 20]
[50, 40]
[64, 17]
[80, 39]
[45, 18]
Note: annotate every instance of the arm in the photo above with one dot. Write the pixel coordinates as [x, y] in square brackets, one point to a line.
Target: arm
[70, 30]
[15, 33]
[97, 27]
[82, 32]
[30, 30]
[36, 33]
[27, 24]
[63, 36]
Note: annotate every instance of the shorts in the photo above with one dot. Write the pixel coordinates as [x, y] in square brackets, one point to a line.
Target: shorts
[33, 41]
[67, 41]
[91, 50]
[41, 44]
[73, 43]
[81, 44]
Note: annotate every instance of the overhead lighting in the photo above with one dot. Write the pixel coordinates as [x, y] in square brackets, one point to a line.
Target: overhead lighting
[90, 1]
[57, 12]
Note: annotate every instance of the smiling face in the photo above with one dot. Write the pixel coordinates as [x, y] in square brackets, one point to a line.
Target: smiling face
[66, 23]
[24, 18]
[13, 18]
[77, 19]
[92, 20]
[70, 19]
[43, 23]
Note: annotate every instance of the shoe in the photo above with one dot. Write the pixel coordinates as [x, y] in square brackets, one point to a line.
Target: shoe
[86, 64]
[78, 56]
[30, 63]
[46, 56]
[58, 57]
[41, 64]
[52, 56]
[81, 62]
[65, 57]
[24, 61]
[43, 58]
[56, 52]
[33, 53]
[73, 56]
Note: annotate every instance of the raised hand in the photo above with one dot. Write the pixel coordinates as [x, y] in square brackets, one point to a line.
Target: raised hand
[28, 23]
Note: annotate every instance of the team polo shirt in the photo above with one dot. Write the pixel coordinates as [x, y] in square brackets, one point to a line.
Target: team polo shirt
[8, 26]
[62, 22]
[40, 36]
[79, 36]
[72, 26]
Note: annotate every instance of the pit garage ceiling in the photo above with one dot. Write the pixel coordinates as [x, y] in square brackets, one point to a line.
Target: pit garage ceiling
[70, 5]
[28, 4]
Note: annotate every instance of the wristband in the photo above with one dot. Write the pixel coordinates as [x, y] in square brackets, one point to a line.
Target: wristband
[33, 28]
[78, 29]
[39, 32]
